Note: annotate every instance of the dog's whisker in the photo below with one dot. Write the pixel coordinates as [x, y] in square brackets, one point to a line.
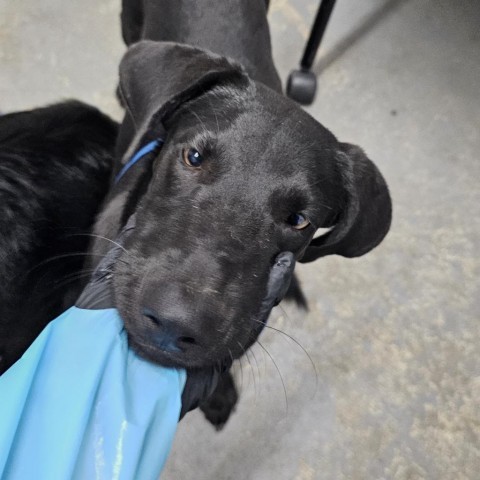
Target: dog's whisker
[61, 282]
[40, 281]
[64, 281]
[253, 376]
[101, 298]
[215, 113]
[303, 349]
[257, 366]
[81, 271]
[279, 374]
[237, 371]
[232, 360]
[62, 257]
[94, 235]
[241, 365]
[233, 365]
[231, 356]
[202, 123]
[241, 373]
[249, 370]
[264, 362]
[57, 286]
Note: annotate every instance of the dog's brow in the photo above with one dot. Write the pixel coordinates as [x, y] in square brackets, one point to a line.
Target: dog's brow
[214, 112]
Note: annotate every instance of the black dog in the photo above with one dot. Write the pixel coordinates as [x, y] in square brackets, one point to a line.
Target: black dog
[242, 175]
[55, 167]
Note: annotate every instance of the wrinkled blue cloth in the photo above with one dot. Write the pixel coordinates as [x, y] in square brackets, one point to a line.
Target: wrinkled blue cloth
[80, 405]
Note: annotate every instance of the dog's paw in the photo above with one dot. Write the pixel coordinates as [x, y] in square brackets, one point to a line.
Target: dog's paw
[220, 405]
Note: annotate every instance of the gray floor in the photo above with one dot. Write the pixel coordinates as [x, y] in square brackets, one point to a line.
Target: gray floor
[394, 335]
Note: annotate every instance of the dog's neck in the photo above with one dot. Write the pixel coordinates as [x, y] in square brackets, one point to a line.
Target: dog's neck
[237, 29]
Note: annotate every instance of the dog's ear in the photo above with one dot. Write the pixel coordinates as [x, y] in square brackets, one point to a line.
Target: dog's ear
[157, 77]
[366, 214]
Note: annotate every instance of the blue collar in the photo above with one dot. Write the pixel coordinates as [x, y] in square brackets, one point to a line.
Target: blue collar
[149, 147]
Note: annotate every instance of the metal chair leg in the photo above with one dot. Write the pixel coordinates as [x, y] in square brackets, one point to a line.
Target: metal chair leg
[302, 84]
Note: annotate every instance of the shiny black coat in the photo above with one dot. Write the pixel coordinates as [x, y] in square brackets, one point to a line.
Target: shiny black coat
[55, 167]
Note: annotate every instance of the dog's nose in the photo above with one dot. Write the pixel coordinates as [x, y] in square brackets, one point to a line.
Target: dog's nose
[169, 335]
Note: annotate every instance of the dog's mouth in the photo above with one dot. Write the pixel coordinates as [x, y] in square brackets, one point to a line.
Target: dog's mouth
[152, 344]
[188, 342]
[156, 354]
[175, 357]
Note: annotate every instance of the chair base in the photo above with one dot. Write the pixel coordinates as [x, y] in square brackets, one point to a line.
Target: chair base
[302, 86]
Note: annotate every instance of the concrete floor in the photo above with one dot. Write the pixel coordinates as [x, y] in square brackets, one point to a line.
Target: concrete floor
[394, 335]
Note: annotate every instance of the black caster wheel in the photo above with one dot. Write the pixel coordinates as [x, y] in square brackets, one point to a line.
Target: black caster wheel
[301, 86]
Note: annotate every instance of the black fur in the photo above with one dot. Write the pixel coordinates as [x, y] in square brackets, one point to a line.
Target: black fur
[55, 167]
[200, 74]
[218, 407]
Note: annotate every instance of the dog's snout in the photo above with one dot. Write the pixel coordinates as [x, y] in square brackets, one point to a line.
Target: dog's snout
[169, 335]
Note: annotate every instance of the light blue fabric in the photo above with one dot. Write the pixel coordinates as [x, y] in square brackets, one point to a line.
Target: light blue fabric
[80, 405]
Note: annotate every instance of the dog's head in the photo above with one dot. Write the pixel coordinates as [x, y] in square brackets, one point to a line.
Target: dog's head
[243, 174]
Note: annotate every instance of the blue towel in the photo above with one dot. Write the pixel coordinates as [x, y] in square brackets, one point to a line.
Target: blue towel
[80, 405]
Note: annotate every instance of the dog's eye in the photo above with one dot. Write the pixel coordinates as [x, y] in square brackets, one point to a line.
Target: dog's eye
[298, 221]
[192, 157]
